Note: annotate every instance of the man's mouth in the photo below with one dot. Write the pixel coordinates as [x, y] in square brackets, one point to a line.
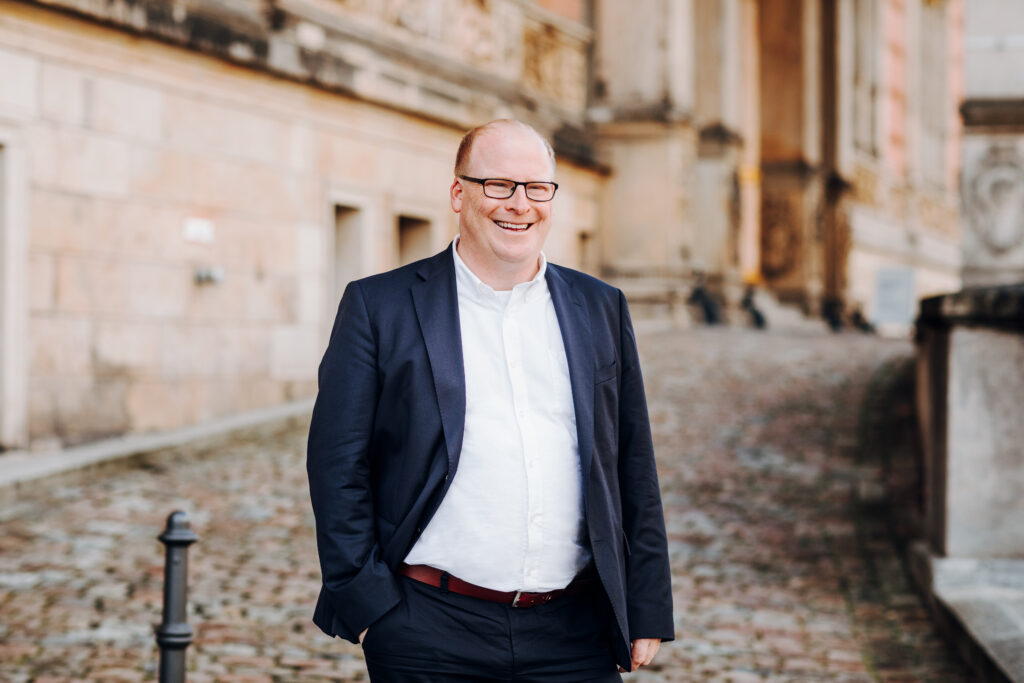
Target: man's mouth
[514, 227]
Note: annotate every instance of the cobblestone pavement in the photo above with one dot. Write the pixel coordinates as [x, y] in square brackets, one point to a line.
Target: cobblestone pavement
[779, 574]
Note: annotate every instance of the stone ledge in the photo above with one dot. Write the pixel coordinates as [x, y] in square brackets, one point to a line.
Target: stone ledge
[24, 471]
[1006, 115]
[980, 606]
[1001, 306]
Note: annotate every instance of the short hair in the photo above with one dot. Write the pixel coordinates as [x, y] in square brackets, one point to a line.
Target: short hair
[466, 144]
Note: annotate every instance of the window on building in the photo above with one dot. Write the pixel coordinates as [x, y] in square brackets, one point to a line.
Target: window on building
[586, 251]
[347, 248]
[414, 240]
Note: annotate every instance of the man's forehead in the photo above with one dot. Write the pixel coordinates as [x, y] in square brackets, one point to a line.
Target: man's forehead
[503, 133]
[509, 144]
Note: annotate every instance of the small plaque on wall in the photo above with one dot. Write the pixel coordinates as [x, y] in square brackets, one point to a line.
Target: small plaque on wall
[894, 296]
[198, 230]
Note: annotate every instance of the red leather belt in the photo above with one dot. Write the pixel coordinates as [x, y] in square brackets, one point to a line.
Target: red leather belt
[435, 577]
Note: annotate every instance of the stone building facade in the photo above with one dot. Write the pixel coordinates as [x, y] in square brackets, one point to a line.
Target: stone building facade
[186, 185]
[860, 137]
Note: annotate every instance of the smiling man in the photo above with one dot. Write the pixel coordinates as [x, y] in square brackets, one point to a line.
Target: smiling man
[480, 458]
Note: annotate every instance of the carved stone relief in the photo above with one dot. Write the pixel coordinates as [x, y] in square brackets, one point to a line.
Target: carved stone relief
[780, 241]
[553, 67]
[475, 32]
[865, 185]
[417, 16]
[994, 199]
[500, 37]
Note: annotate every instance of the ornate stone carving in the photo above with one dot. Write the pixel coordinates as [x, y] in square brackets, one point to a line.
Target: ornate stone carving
[994, 199]
[476, 33]
[780, 243]
[413, 15]
[865, 185]
[553, 67]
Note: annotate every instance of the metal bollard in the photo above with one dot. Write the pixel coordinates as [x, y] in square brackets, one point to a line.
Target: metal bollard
[174, 634]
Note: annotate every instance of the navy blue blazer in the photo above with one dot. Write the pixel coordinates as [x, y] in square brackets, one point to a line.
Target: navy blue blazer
[387, 430]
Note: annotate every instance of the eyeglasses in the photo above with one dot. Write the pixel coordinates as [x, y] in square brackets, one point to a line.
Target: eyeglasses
[499, 188]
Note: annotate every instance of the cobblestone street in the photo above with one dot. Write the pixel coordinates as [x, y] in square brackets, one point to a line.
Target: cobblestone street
[779, 572]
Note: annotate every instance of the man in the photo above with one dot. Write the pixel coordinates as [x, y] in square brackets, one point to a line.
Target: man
[480, 458]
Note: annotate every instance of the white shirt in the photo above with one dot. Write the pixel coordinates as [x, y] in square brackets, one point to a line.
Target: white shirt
[512, 518]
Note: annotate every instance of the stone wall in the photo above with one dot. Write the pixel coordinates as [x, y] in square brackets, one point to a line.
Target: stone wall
[145, 167]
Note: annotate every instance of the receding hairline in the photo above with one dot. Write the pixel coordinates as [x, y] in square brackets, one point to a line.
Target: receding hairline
[466, 144]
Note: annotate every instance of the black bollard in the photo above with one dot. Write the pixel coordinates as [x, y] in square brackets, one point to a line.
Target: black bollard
[174, 634]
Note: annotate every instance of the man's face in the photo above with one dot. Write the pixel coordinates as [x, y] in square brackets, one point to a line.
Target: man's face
[503, 234]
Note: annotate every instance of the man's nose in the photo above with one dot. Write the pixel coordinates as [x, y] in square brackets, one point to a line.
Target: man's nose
[518, 201]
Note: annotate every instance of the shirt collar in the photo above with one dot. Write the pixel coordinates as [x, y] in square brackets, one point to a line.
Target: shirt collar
[468, 283]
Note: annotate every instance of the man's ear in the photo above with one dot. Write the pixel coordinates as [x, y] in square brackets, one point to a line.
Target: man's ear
[455, 191]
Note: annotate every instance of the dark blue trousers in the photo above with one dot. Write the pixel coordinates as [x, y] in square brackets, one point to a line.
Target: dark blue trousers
[438, 636]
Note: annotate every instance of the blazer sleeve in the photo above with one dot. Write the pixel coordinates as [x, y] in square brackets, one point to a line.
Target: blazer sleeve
[648, 578]
[358, 585]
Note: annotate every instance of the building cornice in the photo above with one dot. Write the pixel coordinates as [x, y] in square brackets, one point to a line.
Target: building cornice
[386, 65]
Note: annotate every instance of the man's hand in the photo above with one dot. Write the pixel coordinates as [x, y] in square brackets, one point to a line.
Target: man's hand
[363, 635]
[644, 650]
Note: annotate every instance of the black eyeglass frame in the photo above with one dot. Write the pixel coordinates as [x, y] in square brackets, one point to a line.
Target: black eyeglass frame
[515, 186]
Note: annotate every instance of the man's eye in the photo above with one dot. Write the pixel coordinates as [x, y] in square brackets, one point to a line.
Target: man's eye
[499, 185]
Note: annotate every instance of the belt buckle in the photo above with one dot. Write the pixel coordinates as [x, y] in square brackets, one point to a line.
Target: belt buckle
[515, 600]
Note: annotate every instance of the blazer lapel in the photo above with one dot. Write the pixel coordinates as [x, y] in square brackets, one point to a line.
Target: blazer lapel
[437, 308]
[574, 322]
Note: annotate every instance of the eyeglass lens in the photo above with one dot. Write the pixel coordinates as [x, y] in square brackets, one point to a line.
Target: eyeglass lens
[503, 189]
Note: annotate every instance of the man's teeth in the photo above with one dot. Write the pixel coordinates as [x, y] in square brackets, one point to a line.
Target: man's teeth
[513, 226]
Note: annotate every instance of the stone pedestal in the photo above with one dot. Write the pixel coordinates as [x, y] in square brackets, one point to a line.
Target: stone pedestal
[970, 385]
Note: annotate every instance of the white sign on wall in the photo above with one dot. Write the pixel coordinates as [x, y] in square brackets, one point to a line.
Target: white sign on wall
[894, 296]
[198, 230]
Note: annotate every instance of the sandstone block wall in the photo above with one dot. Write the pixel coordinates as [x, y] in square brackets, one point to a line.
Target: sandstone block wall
[145, 163]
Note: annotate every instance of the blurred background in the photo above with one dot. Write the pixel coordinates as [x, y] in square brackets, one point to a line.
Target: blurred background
[186, 186]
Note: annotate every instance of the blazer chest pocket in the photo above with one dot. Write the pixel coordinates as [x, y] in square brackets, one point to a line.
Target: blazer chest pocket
[606, 373]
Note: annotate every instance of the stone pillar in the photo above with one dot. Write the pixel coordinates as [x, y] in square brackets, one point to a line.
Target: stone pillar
[14, 272]
[971, 344]
[792, 247]
[970, 381]
[749, 175]
[643, 110]
[727, 194]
